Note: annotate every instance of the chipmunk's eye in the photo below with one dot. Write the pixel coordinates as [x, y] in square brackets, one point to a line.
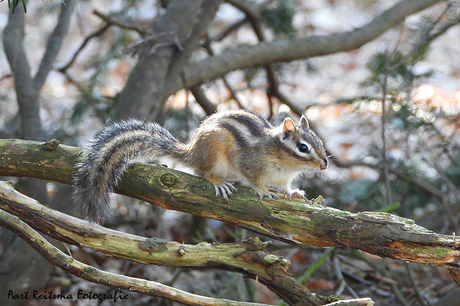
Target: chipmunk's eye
[303, 148]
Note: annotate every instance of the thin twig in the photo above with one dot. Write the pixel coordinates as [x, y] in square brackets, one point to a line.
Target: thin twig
[120, 24]
[274, 91]
[343, 282]
[252, 13]
[413, 179]
[447, 181]
[228, 30]
[94, 34]
[381, 267]
[394, 286]
[155, 41]
[445, 199]
[444, 141]
[6, 76]
[427, 37]
[234, 26]
[419, 295]
[440, 172]
[384, 140]
[207, 46]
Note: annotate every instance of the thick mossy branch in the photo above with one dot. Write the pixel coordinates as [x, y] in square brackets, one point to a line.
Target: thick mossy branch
[67, 263]
[248, 258]
[45, 160]
[22, 215]
[293, 221]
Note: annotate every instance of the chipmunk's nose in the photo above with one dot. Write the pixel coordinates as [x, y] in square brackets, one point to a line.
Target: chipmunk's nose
[324, 166]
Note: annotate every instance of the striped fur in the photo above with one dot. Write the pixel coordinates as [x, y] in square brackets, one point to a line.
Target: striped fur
[228, 147]
[103, 163]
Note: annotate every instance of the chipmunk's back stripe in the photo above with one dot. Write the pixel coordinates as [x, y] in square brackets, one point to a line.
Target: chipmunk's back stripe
[255, 123]
[240, 139]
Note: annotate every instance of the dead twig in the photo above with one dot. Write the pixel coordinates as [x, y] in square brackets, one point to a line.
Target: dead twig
[121, 24]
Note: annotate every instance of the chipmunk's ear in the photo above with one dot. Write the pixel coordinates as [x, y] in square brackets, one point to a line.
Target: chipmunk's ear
[288, 128]
[288, 125]
[304, 122]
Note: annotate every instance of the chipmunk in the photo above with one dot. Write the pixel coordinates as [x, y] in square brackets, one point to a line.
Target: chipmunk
[232, 146]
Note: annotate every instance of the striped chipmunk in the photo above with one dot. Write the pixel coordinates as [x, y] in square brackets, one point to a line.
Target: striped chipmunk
[231, 146]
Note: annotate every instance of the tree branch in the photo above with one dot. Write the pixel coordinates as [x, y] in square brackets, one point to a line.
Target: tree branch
[202, 100]
[110, 21]
[65, 262]
[26, 91]
[248, 258]
[293, 221]
[414, 179]
[205, 16]
[145, 85]
[54, 43]
[209, 50]
[253, 15]
[94, 34]
[295, 49]
[23, 82]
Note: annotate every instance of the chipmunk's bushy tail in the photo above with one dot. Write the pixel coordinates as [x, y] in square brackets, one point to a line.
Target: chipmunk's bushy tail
[104, 161]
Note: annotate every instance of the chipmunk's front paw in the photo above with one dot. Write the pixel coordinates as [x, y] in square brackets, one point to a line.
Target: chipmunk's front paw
[225, 189]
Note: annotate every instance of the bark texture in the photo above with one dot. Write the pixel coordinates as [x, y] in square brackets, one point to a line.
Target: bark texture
[297, 221]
